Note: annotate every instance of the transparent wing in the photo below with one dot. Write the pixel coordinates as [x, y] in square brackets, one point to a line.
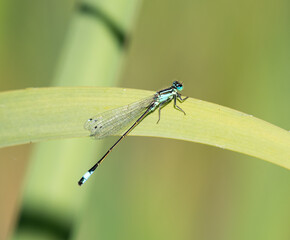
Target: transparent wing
[114, 121]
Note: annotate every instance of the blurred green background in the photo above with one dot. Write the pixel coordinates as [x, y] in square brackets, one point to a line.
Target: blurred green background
[233, 53]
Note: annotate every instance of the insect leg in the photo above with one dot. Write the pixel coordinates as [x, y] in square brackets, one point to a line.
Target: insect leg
[180, 98]
[175, 106]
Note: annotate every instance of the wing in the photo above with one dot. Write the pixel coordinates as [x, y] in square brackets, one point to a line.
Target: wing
[114, 121]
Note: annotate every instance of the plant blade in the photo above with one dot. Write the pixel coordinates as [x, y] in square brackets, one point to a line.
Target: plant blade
[33, 115]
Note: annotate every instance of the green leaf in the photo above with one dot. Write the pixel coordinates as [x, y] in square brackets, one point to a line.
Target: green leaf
[33, 115]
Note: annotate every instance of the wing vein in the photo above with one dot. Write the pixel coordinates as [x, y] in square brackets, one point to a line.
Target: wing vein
[116, 120]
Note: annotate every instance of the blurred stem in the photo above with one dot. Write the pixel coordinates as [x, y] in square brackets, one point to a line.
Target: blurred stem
[92, 55]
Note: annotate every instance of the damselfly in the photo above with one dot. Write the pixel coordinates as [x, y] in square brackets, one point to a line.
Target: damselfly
[115, 120]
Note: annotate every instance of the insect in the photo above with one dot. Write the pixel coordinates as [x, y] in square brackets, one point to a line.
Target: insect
[114, 121]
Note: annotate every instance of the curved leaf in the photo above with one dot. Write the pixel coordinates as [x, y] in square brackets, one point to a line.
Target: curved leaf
[33, 115]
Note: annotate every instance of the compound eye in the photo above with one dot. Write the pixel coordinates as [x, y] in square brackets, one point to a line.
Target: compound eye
[177, 85]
